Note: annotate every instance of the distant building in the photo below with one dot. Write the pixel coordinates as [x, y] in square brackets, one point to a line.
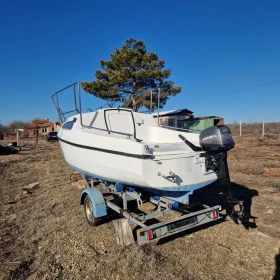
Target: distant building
[183, 118]
[42, 125]
[200, 123]
[173, 117]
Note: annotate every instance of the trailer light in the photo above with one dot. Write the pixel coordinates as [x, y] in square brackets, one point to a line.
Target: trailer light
[214, 214]
[149, 235]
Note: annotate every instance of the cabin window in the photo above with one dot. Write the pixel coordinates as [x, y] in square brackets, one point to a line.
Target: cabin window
[68, 125]
[119, 121]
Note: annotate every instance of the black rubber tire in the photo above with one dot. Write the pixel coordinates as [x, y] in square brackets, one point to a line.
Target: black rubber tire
[88, 207]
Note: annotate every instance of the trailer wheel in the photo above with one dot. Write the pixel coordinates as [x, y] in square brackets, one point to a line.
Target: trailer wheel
[92, 221]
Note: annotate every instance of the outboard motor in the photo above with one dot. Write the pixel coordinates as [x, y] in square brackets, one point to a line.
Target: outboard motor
[216, 138]
[215, 141]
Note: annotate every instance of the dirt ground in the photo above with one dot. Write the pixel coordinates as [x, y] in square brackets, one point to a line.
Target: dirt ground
[44, 235]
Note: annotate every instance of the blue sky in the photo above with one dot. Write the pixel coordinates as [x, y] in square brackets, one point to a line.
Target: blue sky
[214, 48]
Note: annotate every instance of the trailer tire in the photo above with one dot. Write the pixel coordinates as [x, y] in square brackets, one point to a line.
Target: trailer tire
[91, 219]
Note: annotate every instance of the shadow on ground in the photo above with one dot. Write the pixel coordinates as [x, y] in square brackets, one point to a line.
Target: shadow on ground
[7, 150]
[277, 267]
[210, 196]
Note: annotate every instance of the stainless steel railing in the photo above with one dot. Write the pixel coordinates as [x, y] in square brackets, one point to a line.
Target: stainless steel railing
[78, 109]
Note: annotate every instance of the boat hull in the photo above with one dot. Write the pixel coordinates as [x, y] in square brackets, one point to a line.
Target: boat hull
[139, 154]
[188, 169]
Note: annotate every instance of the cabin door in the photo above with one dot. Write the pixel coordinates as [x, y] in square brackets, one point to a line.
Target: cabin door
[120, 121]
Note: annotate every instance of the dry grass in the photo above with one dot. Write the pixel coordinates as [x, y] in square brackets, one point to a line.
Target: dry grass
[45, 236]
[255, 129]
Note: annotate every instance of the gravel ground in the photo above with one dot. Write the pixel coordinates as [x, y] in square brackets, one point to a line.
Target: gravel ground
[44, 235]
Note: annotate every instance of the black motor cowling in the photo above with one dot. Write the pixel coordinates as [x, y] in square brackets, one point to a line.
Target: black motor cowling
[216, 138]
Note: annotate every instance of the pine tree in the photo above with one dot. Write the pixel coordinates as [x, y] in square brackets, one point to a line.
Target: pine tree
[130, 74]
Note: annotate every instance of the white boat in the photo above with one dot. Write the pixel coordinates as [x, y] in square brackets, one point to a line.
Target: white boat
[130, 148]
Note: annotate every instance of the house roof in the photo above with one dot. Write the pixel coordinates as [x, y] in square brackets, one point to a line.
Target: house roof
[173, 112]
[37, 126]
[32, 126]
[206, 117]
[41, 121]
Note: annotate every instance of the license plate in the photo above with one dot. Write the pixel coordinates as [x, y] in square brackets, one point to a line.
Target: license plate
[182, 223]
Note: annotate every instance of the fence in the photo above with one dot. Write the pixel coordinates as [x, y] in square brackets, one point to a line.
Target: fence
[256, 129]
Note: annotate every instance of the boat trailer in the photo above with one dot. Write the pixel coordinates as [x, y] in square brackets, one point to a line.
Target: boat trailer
[214, 148]
[117, 197]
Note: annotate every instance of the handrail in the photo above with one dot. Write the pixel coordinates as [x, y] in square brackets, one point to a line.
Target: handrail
[64, 88]
[69, 112]
[61, 114]
[75, 99]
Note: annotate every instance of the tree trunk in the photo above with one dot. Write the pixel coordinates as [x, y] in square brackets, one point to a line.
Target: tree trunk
[134, 105]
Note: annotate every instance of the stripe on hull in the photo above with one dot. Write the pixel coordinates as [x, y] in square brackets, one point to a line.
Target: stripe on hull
[107, 151]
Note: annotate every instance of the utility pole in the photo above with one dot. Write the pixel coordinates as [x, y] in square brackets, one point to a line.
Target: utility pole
[158, 105]
[151, 102]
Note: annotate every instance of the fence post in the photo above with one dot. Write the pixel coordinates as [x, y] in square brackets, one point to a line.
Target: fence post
[240, 128]
[263, 127]
[37, 137]
[17, 137]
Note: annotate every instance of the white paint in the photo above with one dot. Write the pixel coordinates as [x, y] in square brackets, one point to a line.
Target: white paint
[170, 153]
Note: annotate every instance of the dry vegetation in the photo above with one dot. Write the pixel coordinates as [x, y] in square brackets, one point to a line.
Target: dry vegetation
[44, 235]
[255, 129]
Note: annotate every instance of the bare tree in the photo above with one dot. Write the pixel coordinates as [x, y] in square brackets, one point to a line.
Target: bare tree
[12, 126]
[3, 130]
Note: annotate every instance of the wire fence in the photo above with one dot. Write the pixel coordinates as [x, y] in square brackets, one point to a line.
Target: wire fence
[257, 129]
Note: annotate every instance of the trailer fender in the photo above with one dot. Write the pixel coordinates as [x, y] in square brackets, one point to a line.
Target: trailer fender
[97, 199]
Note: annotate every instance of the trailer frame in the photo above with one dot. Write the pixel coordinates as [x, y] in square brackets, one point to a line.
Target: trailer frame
[193, 215]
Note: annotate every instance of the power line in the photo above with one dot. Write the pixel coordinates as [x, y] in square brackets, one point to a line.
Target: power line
[29, 104]
[247, 89]
[244, 74]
